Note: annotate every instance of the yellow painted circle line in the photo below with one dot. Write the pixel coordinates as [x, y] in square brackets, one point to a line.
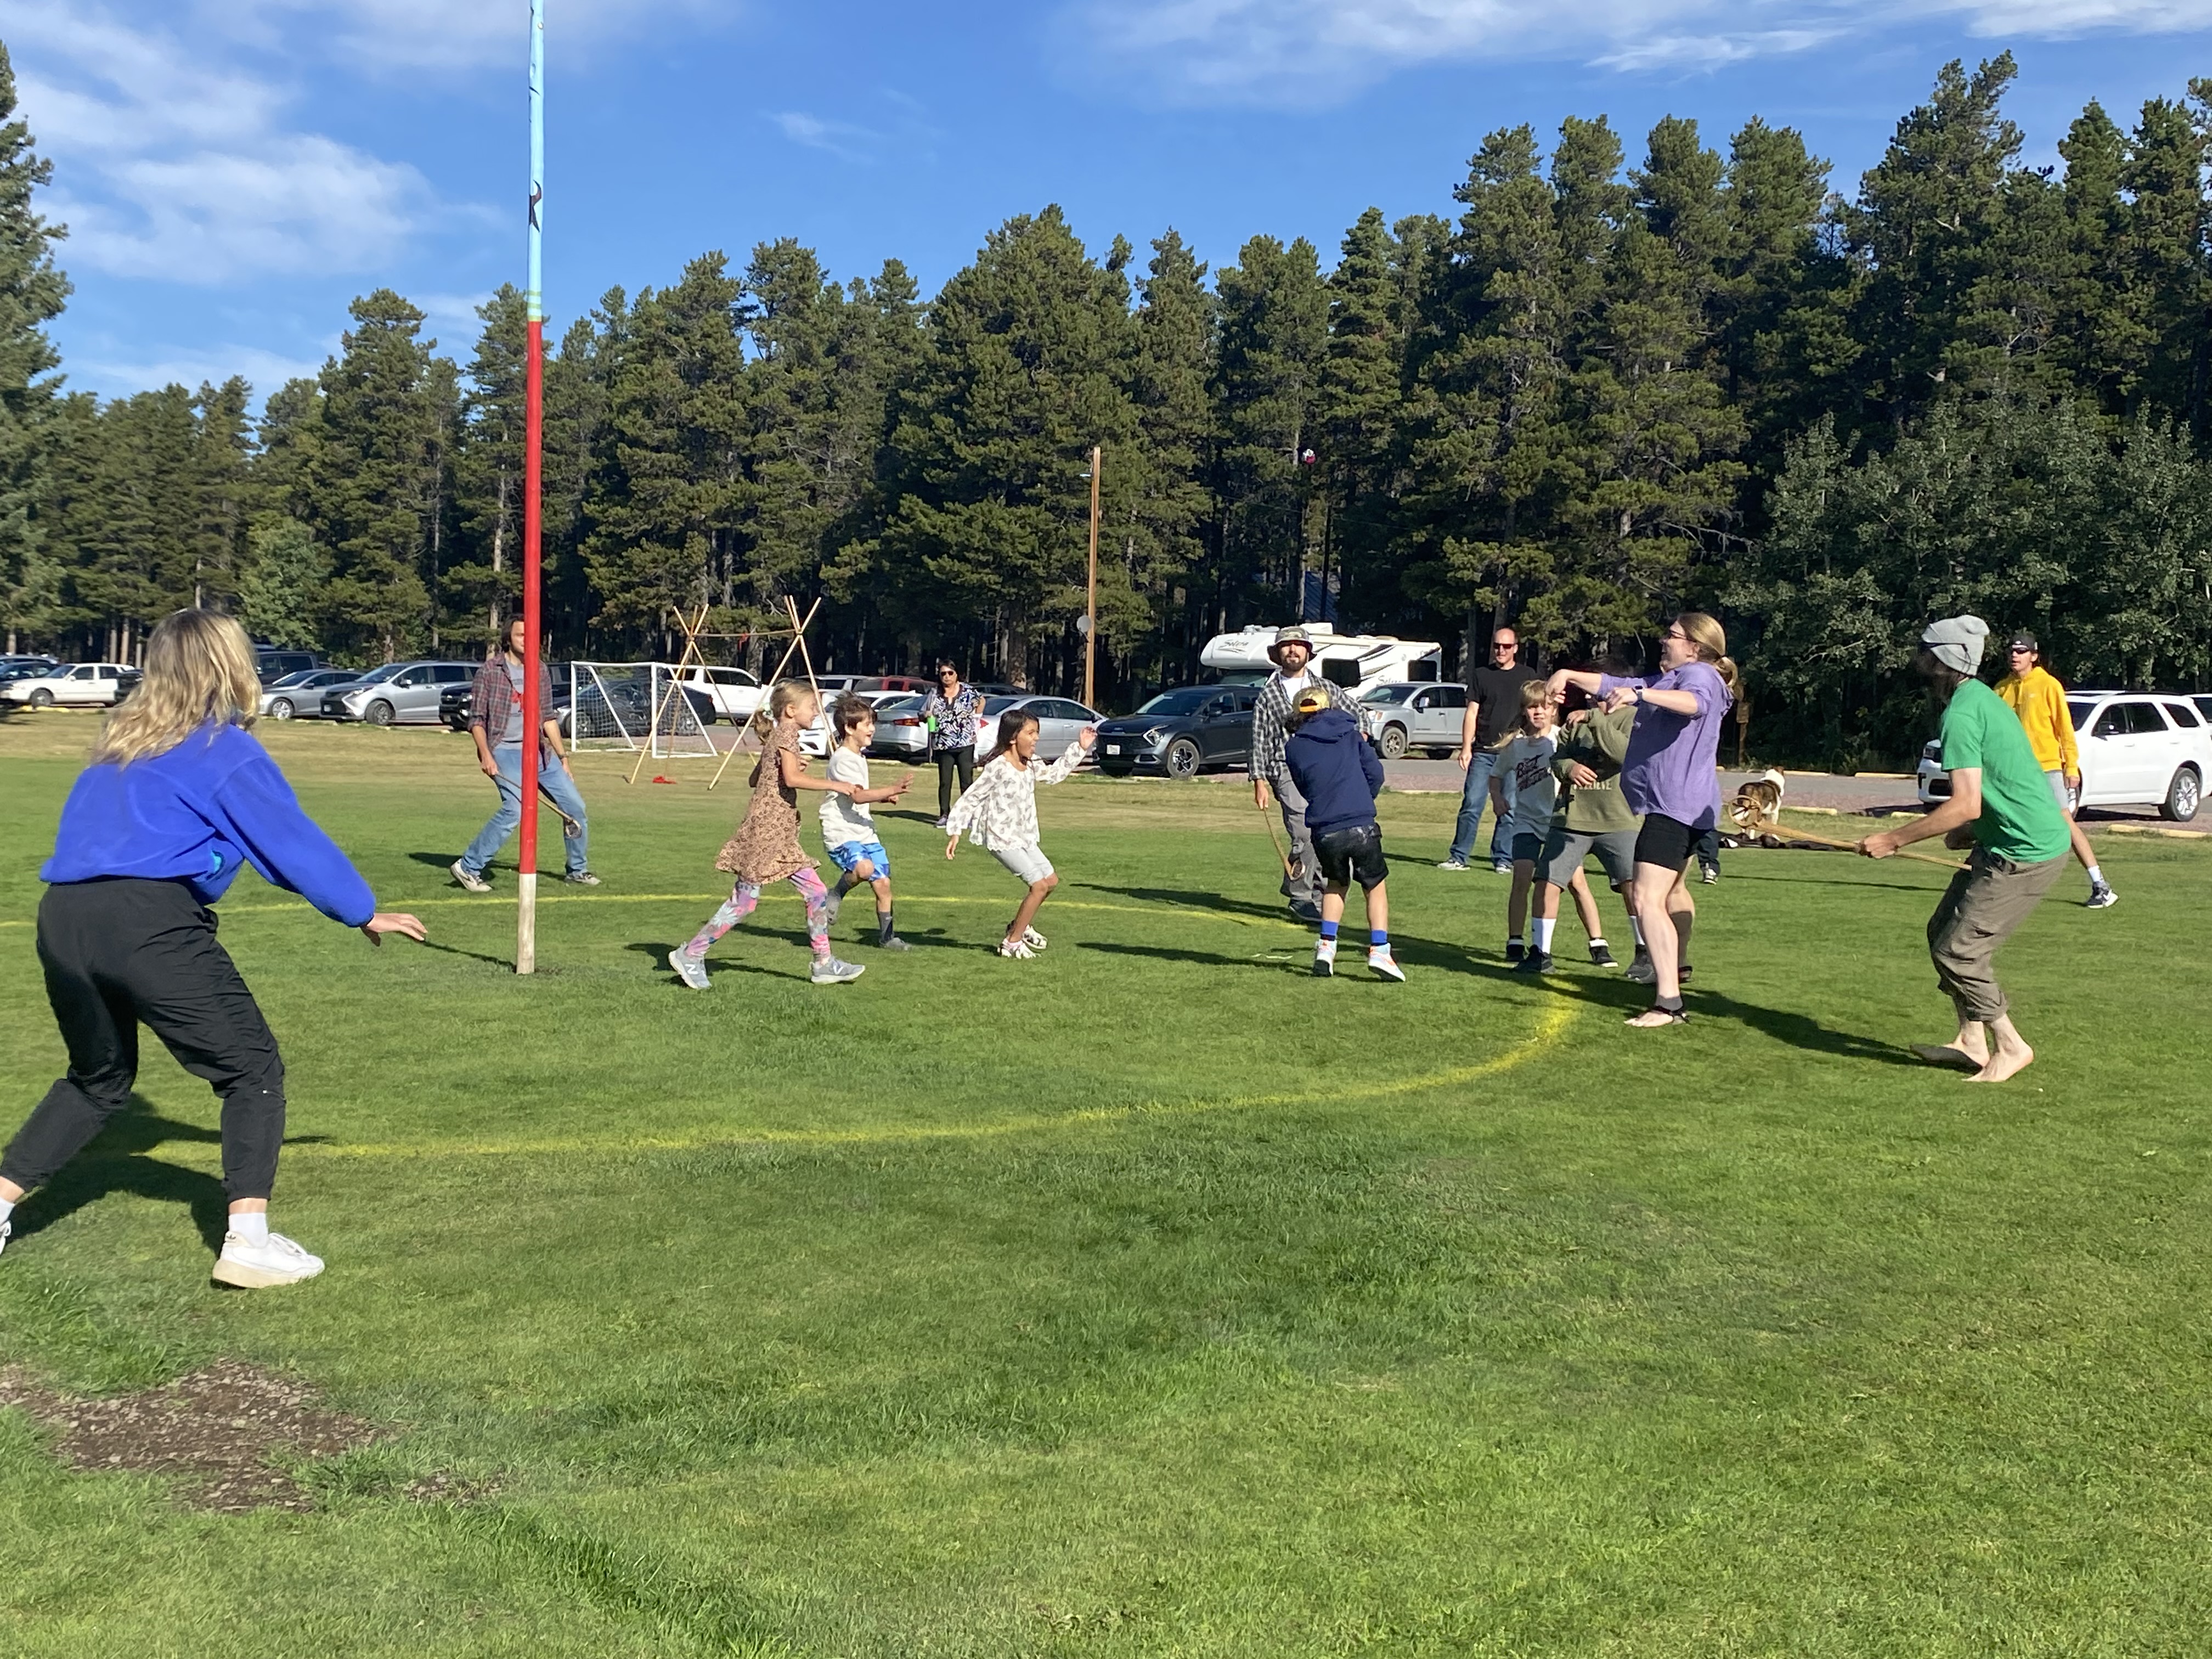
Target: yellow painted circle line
[1551, 1028]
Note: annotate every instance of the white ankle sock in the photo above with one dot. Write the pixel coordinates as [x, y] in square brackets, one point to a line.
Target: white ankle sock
[7, 1209]
[1543, 926]
[252, 1225]
[1598, 943]
[1513, 939]
[2096, 877]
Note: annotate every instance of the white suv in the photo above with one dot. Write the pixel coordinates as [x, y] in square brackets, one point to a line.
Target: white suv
[2138, 749]
[80, 685]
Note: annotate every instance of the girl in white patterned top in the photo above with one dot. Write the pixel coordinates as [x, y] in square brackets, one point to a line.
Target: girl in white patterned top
[999, 814]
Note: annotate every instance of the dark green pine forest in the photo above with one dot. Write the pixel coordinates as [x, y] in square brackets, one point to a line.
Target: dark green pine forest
[1612, 382]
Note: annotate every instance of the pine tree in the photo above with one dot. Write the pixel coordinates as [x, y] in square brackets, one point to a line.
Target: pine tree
[280, 592]
[2167, 234]
[33, 291]
[1359, 404]
[1162, 478]
[372, 480]
[1274, 341]
[224, 479]
[488, 464]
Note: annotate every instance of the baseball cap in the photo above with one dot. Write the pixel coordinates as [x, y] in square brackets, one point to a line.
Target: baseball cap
[2022, 642]
[1309, 703]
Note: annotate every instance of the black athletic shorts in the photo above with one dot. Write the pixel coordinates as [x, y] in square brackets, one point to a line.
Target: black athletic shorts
[1665, 842]
[1352, 854]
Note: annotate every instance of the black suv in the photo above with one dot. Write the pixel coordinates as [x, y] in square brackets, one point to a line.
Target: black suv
[272, 664]
[1179, 733]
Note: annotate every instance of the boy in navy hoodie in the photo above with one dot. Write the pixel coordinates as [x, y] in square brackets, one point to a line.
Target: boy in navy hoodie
[1339, 775]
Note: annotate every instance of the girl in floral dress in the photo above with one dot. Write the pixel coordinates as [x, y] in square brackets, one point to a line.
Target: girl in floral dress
[999, 814]
[766, 847]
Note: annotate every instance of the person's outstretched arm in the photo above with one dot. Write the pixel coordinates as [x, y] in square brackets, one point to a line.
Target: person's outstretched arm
[1068, 761]
[257, 809]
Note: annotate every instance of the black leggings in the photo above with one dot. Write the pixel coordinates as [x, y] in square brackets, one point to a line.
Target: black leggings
[963, 758]
[122, 951]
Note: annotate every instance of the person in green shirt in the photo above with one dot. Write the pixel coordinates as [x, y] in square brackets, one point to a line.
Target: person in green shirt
[2001, 807]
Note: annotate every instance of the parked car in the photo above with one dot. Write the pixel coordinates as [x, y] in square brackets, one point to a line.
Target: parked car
[73, 685]
[1058, 720]
[397, 693]
[456, 703]
[2137, 749]
[1403, 714]
[816, 739]
[299, 696]
[735, 695]
[612, 708]
[273, 663]
[1181, 733]
[900, 733]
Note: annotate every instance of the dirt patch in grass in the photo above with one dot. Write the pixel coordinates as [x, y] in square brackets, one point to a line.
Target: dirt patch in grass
[216, 1432]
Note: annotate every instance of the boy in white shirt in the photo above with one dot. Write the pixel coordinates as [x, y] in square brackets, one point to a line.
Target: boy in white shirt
[1526, 758]
[848, 826]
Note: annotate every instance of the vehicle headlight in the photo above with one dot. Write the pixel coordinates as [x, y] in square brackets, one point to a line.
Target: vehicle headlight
[1156, 733]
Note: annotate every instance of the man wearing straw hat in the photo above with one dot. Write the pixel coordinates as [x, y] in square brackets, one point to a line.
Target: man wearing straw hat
[1292, 655]
[2003, 808]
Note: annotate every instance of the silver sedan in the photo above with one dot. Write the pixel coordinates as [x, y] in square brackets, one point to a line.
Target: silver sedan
[300, 696]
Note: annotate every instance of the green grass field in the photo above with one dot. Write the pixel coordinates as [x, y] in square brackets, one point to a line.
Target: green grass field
[1152, 1297]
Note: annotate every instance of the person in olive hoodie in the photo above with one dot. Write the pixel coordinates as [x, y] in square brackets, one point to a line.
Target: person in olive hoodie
[1338, 775]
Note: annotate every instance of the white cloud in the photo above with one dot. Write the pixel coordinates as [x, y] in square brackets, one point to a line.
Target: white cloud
[116, 374]
[1318, 50]
[840, 138]
[173, 164]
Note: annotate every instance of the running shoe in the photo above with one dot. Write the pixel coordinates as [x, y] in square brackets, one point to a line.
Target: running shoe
[257, 1264]
[467, 878]
[5, 1229]
[688, 968]
[1453, 864]
[1536, 962]
[1709, 874]
[827, 971]
[1601, 955]
[1515, 950]
[1324, 959]
[1016, 949]
[1306, 911]
[2101, 897]
[1641, 970]
[580, 879]
[1033, 939]
[1379, 959]
[894, 943]
[1501, 866]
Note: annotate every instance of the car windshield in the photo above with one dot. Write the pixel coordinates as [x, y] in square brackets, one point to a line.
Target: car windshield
[1387, 693]
[378, 676]
[1189, 700]
[900, 705]
[999, 705]
[299, 677]
[2081, 712]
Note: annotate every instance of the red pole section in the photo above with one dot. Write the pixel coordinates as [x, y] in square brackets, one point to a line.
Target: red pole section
[533, 713]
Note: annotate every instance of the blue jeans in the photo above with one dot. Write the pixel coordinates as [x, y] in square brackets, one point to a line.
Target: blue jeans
[554, 781]
[1471, 803]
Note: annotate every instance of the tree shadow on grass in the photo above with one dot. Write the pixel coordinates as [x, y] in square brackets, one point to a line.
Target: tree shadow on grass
[1183, 900]
[117, 1161]
[1791, 1029]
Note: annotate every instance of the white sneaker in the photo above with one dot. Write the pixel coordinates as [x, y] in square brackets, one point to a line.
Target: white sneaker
[1453, 864]
[1324, 959]
[827, 971]
[467, 878]
[255, 1265]
[1379, 959]
[1501, 867]
[1016, 948]
[689, 968]
[2101, 897]
[6, 1228]
[1033, 939]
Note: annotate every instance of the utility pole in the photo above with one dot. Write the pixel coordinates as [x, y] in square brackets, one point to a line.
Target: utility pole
[533, 400]
[1090, 591]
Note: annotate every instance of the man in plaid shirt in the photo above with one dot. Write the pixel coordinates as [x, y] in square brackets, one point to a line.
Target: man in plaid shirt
[495, 723]
[1291, 653]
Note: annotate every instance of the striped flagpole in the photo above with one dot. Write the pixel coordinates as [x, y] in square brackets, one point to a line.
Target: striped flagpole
[526, 934]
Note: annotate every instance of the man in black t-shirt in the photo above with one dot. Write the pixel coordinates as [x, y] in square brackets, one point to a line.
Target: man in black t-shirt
[1493, 707]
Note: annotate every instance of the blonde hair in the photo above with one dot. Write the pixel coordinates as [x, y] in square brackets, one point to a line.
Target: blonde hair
[200, 672]
[1532, 692]
[1712, 641]
[779, 703]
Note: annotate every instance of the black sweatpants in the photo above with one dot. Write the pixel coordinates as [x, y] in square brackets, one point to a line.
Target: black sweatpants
[122, 951]
[963, 759]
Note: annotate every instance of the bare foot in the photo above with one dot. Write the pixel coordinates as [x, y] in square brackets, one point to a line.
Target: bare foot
[1945, 1054]
[1652, 1018]
[2005, 1062]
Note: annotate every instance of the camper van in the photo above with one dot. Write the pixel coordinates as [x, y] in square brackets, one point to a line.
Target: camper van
[1352, 661]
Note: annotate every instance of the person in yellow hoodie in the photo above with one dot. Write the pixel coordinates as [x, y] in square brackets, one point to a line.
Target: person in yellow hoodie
[2039, 700]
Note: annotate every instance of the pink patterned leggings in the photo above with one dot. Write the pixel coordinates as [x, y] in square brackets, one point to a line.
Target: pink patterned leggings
[746, 894]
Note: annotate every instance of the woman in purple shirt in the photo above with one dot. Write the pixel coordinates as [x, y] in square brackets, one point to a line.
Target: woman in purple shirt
[1671, 777]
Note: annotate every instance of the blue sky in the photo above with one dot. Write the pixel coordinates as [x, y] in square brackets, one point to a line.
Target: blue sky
[235, 171]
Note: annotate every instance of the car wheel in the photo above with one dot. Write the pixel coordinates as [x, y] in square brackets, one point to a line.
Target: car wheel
[1181, 759]
[2183, 796]
[281, 709]
[1393, 742]
[379, 712]
[42, 698]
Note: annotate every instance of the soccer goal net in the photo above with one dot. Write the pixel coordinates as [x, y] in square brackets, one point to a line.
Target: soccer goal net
[632, 706]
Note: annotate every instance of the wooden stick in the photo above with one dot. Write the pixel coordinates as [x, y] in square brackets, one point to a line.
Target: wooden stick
[798, 632]
[1758, 823]
[1276, 841]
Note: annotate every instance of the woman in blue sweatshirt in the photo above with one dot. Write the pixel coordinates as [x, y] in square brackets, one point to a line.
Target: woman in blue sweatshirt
[1331, 762]
[177, 800]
